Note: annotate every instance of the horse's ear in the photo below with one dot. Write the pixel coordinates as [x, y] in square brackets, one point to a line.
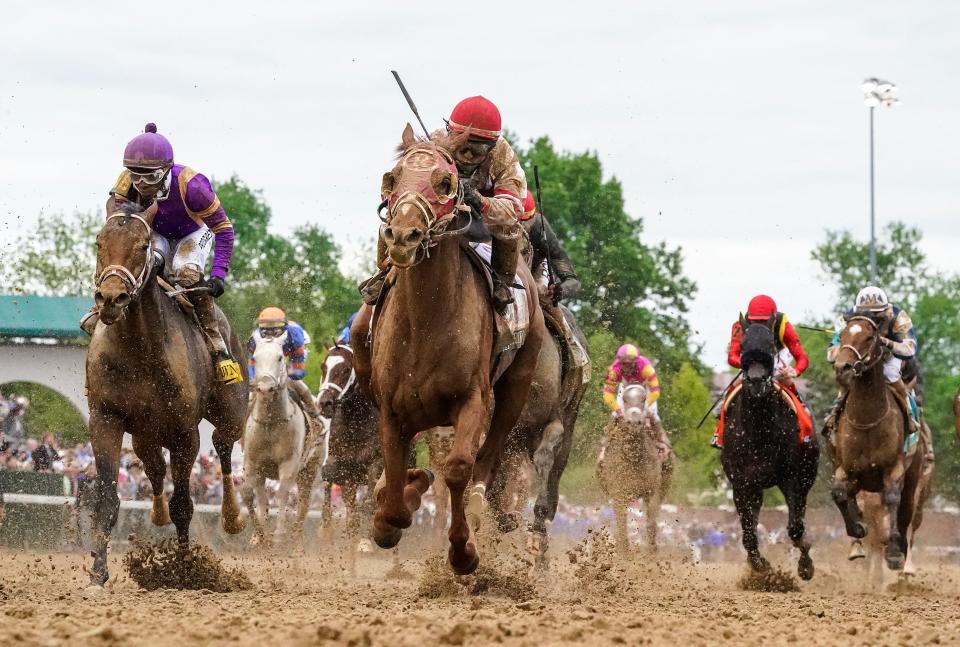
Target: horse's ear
[387, 184]
[150, 212]
[743, 323]
[408, 137]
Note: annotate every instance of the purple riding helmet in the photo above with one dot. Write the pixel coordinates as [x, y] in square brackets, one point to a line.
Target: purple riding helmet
[149, 157]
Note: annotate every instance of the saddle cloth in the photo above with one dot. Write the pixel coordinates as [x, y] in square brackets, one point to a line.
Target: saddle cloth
[517, 315]
[787, 395]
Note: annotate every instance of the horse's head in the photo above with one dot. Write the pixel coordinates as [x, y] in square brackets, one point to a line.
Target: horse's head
[860, 348]
[124, 260]
[757, 354]
[634, 403]
[270, 368]
[338, 378]
[422, 195]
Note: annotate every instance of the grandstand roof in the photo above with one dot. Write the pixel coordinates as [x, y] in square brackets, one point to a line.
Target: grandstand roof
[28, 315]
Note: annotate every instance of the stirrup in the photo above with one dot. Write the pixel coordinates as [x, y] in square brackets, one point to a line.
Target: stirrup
[228, 370]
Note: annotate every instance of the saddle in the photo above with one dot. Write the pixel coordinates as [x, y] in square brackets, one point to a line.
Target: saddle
[562, 325]
[804, 419]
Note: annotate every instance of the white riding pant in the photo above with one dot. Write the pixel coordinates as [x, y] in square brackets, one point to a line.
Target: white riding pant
[891, 369]
[185, 257]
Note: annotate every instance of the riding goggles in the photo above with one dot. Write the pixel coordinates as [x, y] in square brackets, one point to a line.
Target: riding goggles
[269, 332]
[151, 176]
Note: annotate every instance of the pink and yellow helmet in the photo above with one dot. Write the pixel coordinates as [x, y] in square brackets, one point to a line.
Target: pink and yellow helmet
[628, 352]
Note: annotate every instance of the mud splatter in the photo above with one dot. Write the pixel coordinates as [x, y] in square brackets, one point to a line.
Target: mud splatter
[772, 580]
[165, 565]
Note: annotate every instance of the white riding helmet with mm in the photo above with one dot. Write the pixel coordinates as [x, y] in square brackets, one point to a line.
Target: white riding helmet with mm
[872, 299]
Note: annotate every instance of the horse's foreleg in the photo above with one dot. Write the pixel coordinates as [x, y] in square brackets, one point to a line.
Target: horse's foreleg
[844, 493]
[106, 436]
[893, 491]
[652, 503]
[306, 476]
[472, 421]
[288, 476]
[748, 507]
[153, 464]
[229, 509]
[181, 505]
[546, 461]
[392, 514]
[249, 497]
[796, 528]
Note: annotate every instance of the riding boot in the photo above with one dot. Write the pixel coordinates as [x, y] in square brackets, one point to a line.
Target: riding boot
[371, 288]
[503, 263]
[227, 368]
[833, 416]
[88, 323]
[302, 392]
[899, 389]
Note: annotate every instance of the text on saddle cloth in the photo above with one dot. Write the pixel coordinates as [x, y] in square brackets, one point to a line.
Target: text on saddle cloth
[517, 314]
[804, 420]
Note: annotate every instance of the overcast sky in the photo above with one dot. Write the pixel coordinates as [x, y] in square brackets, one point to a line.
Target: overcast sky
[736, 128]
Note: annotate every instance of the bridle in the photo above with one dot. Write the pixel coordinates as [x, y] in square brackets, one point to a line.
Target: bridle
[868, 361]
[278, 381]
[133, 283]
[341, 390]
[437, 227]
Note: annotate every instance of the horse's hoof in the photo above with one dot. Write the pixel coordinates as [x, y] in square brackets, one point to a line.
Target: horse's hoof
[469, 564]
[894, 558]
[160, 513]
[759, 563]
[507, 522]
[856, 551]
[805, 568]
[234, 525]
[387, 538]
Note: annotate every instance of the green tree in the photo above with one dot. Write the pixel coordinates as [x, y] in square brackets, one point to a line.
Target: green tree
[48, 413]
[931, 299]
[56, 258]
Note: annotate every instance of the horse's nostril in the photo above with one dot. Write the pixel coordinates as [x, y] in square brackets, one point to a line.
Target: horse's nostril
[414, 236]
[388, 236]
[122, 300]
[98, 299]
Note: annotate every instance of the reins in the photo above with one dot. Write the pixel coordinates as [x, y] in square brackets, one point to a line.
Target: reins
[864, 362]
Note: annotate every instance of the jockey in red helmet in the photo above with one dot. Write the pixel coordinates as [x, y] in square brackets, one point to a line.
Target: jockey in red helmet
[494, 186]
[763, 309]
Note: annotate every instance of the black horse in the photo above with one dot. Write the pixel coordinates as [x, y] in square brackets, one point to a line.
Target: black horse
[761, 449]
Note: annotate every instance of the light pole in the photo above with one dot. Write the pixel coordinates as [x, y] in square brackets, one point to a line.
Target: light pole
[876, 92]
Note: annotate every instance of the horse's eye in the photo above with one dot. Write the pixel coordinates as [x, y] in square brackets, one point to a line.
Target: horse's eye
[144, 247]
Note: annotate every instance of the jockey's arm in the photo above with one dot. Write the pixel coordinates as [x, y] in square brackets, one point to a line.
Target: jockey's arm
[903, 340]
[610, 387]
[792, 341]
[652, 382]
[502, 212]
[733, 350]
[204, 204]
[296, 350]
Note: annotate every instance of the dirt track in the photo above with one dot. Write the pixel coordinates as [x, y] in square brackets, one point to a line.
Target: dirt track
[595, 600]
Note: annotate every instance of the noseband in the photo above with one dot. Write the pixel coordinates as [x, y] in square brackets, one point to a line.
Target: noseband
[341, 390]
[133, 283]
[868, 361]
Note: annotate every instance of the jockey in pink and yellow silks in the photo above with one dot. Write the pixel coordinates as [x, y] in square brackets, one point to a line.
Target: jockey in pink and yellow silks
[630, 367]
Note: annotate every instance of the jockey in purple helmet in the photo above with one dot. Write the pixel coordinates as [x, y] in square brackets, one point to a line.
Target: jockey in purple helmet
[189, 223]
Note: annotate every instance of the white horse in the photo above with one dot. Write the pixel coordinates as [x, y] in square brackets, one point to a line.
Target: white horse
[273, 440]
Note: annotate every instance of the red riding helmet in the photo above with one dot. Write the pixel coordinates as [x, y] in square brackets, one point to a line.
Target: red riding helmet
[529, 207]
[479, 115]
[761, 308]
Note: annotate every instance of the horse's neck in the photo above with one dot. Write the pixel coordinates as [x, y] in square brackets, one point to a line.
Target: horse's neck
[867, 393]
[145, 323]
[430, 291]
[273, 410]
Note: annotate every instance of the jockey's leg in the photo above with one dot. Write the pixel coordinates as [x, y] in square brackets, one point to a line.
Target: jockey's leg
[899, 390]
[503, 263]
[830, 421]
[371, 288]
[302, 391]
[189, 257]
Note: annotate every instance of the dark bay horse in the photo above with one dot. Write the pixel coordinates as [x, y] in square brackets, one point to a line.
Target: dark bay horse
[149, 374]
[762, 449]
[869, 442]
[431, 359]
[543, 436]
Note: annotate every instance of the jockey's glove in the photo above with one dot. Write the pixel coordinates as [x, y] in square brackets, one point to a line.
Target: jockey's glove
[216, 285]
[566, 289]
[473, 198]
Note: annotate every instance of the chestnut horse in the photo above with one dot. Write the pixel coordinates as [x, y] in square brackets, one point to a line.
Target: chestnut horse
[149, 374]
[431, 360]
[869, 441]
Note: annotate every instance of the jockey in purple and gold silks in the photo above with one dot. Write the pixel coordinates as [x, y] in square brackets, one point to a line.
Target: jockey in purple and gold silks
[189, 222]
[272, 323]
